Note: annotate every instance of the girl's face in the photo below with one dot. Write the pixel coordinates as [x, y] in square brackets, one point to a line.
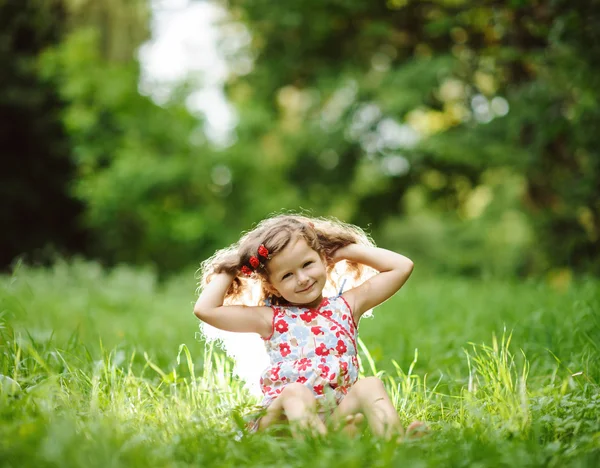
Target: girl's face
[298, 273]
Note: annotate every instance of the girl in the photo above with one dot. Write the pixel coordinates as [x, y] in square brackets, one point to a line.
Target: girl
[310, 339]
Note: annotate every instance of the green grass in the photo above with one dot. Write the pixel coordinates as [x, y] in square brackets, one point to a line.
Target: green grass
[105, 368]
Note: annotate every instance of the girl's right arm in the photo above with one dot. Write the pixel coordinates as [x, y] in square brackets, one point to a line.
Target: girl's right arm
[236, 318]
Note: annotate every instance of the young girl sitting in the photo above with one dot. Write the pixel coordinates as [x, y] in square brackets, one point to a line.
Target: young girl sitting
[310, 339]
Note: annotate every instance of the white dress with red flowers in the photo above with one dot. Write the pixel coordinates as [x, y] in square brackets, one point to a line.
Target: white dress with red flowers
[315, 347]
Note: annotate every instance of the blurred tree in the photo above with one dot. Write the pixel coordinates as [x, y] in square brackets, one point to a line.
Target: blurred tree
[122, 25]
[37, 211]
[370, 101]
[143, 170]
[463, 131]
[41, 215]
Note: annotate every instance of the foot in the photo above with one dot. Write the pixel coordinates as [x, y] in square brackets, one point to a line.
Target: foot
[354, 424]
[416, 430]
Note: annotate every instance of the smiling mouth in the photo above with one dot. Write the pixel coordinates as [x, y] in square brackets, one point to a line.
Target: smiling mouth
[306, 289]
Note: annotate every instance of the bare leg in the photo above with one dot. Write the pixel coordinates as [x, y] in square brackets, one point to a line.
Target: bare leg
[370, 397]
[298, 404]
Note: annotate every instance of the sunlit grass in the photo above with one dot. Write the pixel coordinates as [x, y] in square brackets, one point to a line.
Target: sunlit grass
[129, 384]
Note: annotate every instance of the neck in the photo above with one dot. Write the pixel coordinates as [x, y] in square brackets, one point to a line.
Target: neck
[312, 305]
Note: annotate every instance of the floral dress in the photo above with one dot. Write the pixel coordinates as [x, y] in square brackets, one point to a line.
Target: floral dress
[315, 347]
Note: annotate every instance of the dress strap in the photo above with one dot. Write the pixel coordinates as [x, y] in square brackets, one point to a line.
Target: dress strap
[341, 288]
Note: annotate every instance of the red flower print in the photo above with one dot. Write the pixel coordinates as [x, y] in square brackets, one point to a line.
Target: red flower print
[322, 350]
[267, 389]
[324, 370]
[343, 368]
[317, 330]
[275, 373]
[341, 347]
[247, 271]
[303, 364]
[318, 389]
[284, 349]
[332, 377]
[301, 379]
[281, 326]
[254, 261]
[262, 251]
[327, 313]
[308, 316]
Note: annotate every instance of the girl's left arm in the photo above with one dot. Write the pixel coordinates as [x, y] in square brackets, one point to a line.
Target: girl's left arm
[394, 269]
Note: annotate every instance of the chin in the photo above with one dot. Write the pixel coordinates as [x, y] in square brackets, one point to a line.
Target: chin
[316, 295]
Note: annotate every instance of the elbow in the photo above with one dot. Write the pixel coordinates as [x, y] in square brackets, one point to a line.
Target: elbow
[200, 312]
[408, 267]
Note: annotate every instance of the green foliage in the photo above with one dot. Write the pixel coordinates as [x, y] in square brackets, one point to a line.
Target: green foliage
[510, 86]
[144, 170]
[102, 380]
[41, 214]
[461, 133]
[37, 212]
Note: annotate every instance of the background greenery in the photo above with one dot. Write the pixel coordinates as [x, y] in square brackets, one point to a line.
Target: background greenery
[460, 133]
[110, 373]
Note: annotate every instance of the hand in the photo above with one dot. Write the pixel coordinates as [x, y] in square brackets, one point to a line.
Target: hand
[343, 253]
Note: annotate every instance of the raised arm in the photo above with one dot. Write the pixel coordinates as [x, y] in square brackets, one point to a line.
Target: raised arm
[236, 318]
[394, 269]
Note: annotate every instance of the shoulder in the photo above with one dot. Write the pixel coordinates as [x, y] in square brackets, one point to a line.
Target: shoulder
[343, 302]
[332, 301]
[336, 303]
[349, 299]
[280, 318]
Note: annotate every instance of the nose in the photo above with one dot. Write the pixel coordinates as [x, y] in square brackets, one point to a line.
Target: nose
[302, 278]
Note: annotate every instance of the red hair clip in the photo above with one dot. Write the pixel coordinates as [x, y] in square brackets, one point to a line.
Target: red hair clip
[254, 261]
[263, 251]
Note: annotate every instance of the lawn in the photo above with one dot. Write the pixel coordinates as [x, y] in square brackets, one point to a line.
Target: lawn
[106, 368]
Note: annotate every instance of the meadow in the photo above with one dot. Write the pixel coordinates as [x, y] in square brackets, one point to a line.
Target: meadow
[106, 368]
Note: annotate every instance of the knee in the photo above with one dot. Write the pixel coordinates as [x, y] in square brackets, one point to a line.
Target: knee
[299, 392]
[370, 386]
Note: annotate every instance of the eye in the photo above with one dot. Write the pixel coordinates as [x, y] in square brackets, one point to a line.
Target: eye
[287, 275]
[308, 263]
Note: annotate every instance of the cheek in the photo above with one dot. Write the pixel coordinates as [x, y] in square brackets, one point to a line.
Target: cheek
[273, 289]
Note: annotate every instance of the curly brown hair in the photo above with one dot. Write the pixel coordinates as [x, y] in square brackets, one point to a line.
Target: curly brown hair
[324, 235]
